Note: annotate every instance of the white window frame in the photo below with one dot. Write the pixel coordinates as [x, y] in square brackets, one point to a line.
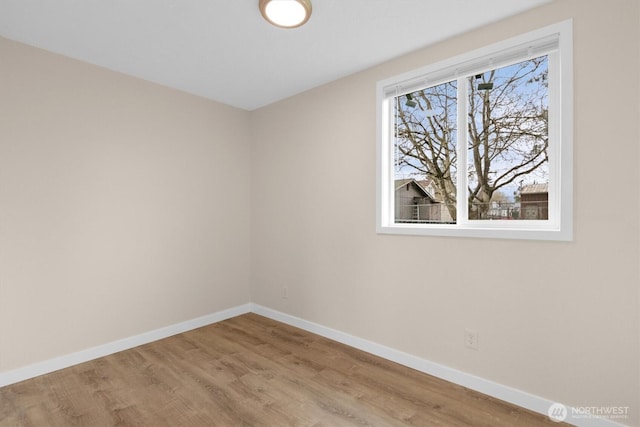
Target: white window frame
[559, 226]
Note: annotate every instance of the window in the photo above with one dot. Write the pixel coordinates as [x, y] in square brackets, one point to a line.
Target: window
[480, 145]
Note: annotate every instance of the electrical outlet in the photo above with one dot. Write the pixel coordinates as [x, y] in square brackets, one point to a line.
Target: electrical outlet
[285, 292]
[471, 339]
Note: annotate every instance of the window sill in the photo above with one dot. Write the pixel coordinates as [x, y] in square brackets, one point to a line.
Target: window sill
[497, 231]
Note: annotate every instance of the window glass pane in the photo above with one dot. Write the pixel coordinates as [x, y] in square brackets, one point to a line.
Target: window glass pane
[508, 167]
[425, 155]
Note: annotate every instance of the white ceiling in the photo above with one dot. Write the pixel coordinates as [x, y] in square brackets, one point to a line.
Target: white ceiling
[223, 49]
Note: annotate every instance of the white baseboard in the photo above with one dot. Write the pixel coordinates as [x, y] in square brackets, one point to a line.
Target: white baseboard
[490, 388]
[517, 397]
[41, 368]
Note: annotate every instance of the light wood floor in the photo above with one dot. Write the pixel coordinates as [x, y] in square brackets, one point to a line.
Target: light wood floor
[249, 371]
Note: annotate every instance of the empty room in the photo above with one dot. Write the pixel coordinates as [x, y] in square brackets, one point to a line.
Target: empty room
[357, 213]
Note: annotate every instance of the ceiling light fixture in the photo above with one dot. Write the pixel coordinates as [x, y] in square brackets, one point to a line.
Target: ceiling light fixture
[286, 13]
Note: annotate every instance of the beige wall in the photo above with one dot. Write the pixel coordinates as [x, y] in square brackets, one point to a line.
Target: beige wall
[569, 333]
[122, 209]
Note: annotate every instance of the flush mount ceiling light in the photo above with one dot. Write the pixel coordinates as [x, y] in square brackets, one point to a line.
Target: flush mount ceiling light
[286, 13]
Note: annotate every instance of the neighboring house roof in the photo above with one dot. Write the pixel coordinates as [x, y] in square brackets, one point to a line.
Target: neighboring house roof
[436, 194]
[399, 183]
[535, 188]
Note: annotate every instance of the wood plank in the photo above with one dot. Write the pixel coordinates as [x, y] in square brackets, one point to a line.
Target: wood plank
[249, 371]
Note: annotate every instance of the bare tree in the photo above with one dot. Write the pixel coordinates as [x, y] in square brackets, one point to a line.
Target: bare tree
[507, 132]
[426, 138]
